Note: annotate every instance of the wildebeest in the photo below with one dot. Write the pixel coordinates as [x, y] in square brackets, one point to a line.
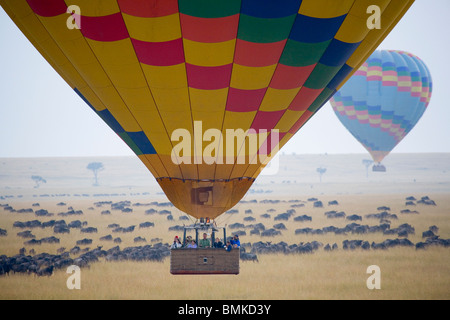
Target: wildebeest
[382, 215]
[303, 231]
[403, 229]
[75, 250]
[61, 229]
[75, 224]
[427, 201]
[248, 256]
[270, 233]
[84, 242]
[27, 224]
[124, 230]
[50, 239]
[139, 239]
[407, 211]
[354, 217]
[258, 226]
[176, 228]
[26, 234]
[236, 225]
[106, 238]
[334, 214]
[433, 241]
[283, 216]
[428, 234]
[150, 211]
[354, 244]
[330, 248]
[43, 213]
[318, 204]
[32, 242]
[89, 230]
[48, 271]
[146, 224]
[303, 218]
[279, 226]
[434, 228]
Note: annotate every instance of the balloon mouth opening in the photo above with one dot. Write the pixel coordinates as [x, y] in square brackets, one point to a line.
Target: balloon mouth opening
[205, 198]
[378, 155]
[204, 180]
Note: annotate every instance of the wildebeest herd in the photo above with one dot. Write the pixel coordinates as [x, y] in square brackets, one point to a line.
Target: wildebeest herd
[42, 264]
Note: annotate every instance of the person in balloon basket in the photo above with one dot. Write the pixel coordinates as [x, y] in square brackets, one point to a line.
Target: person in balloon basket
[235, 241]
[176, 243]
[192, 245]
[218, 244]
[228, 247]
[187, 241]
[204, 243]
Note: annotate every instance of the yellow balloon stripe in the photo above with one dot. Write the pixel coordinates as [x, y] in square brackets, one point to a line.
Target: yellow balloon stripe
[251, 78]
[209, 54]
[289, 118]
[276, 99]
[95, 8]
[325, 8]
[166, 77]
[157, 29]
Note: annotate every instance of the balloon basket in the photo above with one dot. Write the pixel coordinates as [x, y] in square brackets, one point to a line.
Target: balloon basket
[378, 168]
[204, 260]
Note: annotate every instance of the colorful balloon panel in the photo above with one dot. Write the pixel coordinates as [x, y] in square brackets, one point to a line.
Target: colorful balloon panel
[384, 100]
[150, 67]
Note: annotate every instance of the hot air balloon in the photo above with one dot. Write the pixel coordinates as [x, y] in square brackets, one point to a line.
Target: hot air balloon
[192, 86]
[384, 100]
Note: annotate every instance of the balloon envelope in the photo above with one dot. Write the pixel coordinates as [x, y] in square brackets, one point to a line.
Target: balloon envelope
[155, 70]
[384, 100]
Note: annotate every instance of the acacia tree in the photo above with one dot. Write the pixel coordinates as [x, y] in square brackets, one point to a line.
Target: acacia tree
[95, 167]
[321, 171]
[367, 163]
[38, 180]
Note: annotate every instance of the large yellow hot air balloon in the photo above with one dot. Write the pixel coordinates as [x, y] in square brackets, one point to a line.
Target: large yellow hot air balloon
[164, 73]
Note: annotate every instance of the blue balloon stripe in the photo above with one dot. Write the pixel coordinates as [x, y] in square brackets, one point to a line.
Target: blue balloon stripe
[313, 30]
[338, 53]
[270, 9]
[142, 142]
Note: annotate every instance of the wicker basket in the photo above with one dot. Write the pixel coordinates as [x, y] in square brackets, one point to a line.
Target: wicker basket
[204, 261]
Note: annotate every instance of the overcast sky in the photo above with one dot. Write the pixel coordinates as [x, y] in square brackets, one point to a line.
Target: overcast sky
[40, 115]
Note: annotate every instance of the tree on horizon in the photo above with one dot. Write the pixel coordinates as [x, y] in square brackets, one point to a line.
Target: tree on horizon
[367, 163]
[95, 167]
[38, 180]
[321, 171]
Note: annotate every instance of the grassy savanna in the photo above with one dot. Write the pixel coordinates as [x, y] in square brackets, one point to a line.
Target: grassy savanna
[406, 273]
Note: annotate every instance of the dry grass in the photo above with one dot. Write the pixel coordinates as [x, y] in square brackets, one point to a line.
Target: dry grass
[405, 272]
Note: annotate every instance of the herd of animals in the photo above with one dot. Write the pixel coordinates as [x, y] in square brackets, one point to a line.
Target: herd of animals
[44, 264]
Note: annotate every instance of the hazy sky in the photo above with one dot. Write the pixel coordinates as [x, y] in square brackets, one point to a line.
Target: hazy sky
[40, 115]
